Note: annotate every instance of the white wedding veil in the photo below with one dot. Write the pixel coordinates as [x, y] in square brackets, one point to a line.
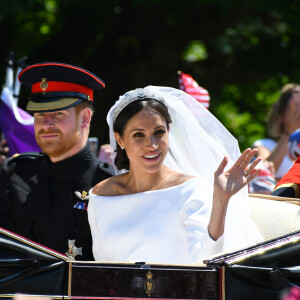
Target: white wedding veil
[198, 142]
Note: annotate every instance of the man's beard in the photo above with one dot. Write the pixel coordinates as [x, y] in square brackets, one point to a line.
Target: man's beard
[61, 145]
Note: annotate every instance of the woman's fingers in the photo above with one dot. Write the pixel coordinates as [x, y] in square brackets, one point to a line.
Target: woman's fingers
[245, 158]
[252, 175]
[252, 166]
[243, 163]
[242, 158]
[248, 159]
[222, 166]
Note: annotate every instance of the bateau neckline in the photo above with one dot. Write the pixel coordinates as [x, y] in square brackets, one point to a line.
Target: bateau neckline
[148, 192]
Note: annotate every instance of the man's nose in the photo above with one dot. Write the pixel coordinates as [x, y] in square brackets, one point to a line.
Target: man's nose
[48, 121]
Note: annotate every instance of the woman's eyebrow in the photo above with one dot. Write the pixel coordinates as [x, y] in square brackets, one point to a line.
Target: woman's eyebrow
[140, 129]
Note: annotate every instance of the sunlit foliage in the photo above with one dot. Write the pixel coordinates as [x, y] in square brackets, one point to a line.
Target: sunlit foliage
[241, 51]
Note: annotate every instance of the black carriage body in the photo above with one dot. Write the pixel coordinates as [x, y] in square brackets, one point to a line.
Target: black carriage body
[29, 268]
[260, 272]
[143, 281]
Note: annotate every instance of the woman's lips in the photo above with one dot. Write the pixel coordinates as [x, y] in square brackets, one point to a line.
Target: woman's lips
[152, 157]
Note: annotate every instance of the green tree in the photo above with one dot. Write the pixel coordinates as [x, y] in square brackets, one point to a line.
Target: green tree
[242, 52]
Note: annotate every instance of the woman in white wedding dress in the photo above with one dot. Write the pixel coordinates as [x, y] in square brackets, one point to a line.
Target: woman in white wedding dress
[174, 200]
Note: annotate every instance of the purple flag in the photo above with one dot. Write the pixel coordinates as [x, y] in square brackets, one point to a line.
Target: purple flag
[16, 125]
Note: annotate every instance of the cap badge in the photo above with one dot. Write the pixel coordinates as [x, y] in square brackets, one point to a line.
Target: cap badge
[44, 84]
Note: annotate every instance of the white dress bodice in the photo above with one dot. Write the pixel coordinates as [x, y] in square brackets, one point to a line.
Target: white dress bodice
[162, 226]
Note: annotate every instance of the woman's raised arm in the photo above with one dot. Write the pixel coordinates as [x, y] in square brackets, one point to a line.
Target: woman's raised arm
[228, 183]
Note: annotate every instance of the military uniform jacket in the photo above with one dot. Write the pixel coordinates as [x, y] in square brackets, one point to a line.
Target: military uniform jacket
[47, 202]
[289, 184]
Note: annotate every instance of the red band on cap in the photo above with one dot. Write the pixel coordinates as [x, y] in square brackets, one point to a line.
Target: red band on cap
[58, 86]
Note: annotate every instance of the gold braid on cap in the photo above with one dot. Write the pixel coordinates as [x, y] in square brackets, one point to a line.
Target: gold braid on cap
[134, 95]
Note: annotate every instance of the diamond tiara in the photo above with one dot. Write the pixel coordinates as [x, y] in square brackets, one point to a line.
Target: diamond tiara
[134, 95]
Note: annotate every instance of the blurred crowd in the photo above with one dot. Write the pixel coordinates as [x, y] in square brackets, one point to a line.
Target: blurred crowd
[280, 149]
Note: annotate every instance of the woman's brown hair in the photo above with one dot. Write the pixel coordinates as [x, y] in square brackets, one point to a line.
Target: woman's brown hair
[275, 124]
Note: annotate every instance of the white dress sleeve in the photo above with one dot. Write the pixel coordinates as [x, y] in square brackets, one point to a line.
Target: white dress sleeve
[196, 211]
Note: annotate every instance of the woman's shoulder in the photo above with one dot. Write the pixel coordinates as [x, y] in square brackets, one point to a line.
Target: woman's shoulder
[179, 178]
[110, 187]
[174, 178]
[118, 185]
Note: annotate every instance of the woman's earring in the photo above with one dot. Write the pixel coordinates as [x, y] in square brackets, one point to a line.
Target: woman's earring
[122, 147]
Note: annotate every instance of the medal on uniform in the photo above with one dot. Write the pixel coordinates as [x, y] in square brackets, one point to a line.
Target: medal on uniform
[73, 250]
[83, 197]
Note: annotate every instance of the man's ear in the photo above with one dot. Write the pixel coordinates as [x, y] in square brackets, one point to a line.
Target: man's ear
[119, 139]
[86, 114]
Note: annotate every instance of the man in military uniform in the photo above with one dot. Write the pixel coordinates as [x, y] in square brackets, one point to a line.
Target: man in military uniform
[44, 196]
[289, 184]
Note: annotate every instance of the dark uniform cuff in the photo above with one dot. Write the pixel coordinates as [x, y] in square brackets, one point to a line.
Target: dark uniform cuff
[290, 190]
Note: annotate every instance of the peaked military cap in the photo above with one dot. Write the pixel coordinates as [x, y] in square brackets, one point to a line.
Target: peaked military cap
[57, 86]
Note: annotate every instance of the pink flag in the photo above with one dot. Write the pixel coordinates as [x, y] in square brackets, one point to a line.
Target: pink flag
[191, 87]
